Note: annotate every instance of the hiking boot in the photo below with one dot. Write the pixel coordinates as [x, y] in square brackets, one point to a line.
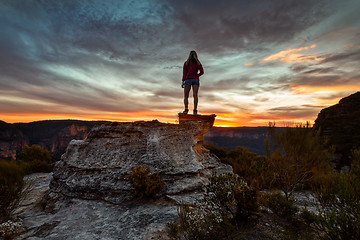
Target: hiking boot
[186, 111]
[195, 112]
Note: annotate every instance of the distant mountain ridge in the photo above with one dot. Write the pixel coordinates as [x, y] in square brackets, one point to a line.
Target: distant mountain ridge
[52, 135]
[229, 138]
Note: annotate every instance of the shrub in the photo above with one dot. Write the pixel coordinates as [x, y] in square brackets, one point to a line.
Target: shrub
[339, 214]
[279, 204]
[36, 159]
[10, 230]
[308, 217]
[298, 158]
[355, 163]
[227, 198]
[198, 222]
[145, 185]
[11, 188]
[230, 195]
[39, 166]
[219, 152]
[246, 201]
[220, 193]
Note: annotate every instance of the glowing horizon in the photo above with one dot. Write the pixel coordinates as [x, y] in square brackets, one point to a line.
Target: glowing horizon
[122, 60]
[221, 120]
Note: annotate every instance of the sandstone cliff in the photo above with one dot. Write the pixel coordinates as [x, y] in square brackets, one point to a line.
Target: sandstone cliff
[340, 125]
[11, 140]
[89, 184]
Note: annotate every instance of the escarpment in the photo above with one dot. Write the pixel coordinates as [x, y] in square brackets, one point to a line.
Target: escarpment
[339, 124]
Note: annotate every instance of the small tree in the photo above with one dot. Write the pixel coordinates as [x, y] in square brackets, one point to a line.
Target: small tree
[37, 158]
[298, 157]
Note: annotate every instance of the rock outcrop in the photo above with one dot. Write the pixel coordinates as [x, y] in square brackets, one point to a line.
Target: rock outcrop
[340, 125]
[89, 184]
[97, 167]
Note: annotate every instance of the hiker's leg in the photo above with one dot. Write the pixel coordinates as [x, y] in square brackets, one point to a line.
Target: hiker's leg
[195, 94]
[186, 96]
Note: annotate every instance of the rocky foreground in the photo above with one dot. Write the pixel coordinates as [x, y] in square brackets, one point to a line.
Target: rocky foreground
[89, 197]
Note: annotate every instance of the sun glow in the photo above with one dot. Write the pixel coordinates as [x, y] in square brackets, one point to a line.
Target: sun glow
[221, 120]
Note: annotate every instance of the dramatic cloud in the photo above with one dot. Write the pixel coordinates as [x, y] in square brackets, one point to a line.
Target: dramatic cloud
[122, 60]
[290, 55]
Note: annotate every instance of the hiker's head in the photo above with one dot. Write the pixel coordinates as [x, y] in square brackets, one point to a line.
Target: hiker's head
[193, 58]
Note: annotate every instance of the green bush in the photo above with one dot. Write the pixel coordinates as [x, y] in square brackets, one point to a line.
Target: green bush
[339, 214]
[36, 159]
[279, 204]
[11, 188]
[145, 185]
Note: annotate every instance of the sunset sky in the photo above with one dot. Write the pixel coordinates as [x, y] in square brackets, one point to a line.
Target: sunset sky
[115, 60]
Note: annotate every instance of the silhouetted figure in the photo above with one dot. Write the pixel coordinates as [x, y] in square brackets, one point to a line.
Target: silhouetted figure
[190, 78]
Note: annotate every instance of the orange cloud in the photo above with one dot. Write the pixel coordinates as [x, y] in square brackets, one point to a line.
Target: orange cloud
[290, 55]
[286, 53]
[325, 89]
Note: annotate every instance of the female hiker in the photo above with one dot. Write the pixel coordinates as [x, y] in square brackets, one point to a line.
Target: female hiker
[190, 78]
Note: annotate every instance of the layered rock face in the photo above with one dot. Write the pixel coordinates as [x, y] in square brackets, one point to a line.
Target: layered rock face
[97, 167]
[340, 124]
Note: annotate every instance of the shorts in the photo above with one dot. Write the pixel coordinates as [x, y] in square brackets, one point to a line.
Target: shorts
[193, 81]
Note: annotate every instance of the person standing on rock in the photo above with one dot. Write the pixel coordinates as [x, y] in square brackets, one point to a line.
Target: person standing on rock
[190, 78]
